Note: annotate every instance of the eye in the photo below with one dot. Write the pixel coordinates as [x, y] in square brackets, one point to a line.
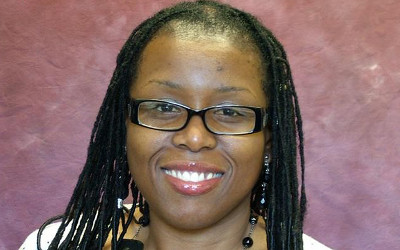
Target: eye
[228, 112]
[167, 108]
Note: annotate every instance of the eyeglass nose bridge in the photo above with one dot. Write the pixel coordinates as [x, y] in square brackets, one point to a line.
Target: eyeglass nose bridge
[201, 113]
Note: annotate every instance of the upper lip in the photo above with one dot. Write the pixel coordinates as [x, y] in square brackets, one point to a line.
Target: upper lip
[192, 166]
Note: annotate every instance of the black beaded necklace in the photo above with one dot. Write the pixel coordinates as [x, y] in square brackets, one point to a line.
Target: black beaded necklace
[132, 244]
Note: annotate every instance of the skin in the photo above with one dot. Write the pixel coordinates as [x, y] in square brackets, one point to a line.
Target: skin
[197, 73]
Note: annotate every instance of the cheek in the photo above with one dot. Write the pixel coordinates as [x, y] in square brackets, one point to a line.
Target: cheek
[142, 145]
[248, 154]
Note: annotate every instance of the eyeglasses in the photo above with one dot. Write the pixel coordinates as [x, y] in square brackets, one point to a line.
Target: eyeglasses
[221, 120]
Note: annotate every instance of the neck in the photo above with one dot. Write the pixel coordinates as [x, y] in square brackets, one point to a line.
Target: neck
[227, 233]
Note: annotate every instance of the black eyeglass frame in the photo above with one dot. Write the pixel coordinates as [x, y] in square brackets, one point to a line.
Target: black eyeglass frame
[261, 116]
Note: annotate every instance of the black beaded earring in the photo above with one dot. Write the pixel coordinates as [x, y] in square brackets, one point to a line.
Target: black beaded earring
[260, 198]
[144, 209]
[247, 242]
[264, 184]
[145, 219]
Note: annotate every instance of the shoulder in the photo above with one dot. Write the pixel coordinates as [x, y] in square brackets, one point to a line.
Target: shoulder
[48, 234]
[310, 243]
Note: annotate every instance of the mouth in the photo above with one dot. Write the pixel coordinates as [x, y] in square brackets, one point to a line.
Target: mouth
[192, 178]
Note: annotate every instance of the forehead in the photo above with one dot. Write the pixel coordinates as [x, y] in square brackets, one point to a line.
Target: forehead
[233, 32]
[200, 65]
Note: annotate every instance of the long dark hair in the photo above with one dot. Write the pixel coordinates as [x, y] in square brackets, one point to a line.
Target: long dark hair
[93, 210]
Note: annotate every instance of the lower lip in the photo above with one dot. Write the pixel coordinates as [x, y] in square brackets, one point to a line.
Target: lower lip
[192, 188]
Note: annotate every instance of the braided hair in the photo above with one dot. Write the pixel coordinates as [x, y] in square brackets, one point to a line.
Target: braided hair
[94, 210]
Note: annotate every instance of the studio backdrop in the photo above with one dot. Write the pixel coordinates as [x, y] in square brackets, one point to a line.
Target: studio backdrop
[57, 57]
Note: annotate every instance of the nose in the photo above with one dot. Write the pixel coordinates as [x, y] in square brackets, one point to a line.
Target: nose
[195, 136]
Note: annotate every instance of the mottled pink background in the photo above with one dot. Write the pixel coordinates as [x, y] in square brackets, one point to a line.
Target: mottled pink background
[56, 59]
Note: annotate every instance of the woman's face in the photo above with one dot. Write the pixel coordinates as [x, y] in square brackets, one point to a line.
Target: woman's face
[198, 74]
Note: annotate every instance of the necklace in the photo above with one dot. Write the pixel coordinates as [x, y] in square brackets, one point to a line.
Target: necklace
[134, 244]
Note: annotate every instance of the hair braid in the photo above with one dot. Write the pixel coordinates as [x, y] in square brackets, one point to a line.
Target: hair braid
[284, 135]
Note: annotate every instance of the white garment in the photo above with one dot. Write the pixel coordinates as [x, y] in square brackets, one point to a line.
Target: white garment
[50, 231]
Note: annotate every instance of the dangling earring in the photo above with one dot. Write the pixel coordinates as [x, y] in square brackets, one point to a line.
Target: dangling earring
[264, 183]
[144, 209]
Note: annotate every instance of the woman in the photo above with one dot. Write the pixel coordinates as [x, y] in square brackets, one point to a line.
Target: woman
[201, 121]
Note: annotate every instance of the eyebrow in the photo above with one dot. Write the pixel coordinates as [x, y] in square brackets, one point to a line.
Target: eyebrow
[169, 84]
[223, 89]
[227, 89]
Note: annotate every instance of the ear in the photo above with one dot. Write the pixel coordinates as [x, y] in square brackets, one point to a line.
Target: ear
[268, 141]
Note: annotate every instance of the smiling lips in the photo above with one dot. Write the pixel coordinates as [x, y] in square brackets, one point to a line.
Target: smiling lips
[193, 178]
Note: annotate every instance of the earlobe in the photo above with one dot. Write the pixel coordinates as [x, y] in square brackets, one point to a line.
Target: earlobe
[268, 141]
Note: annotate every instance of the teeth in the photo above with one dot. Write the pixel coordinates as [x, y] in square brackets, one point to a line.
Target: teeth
[192, 176]
[201, 177]
[186, 176]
